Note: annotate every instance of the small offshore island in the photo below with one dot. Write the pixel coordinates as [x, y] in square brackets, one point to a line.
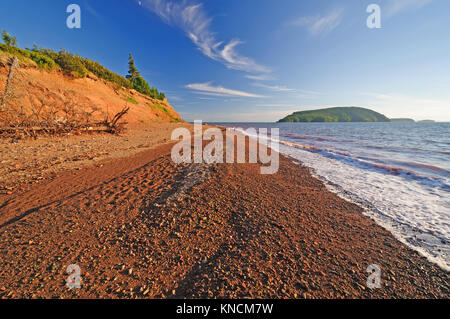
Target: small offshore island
[403, 120]
[336, 114]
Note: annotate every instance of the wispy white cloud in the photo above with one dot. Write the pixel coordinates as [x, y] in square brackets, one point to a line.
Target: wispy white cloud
[275, 88]
[195, 22]
[294, 93]
[208, 89]
[91, 10]
[320, 24]
[262, 77]
[394, 7]
[309, 92]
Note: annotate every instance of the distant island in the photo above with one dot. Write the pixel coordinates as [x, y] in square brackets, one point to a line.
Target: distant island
[403, 120]
[426, 121]
[336, 114]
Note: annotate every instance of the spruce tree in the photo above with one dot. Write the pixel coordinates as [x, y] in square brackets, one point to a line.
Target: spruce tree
[133, 72]
[139, 83]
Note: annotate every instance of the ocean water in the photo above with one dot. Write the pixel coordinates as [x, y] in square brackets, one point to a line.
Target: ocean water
[398, 172]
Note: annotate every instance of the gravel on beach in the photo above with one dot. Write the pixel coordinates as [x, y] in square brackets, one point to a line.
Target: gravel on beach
[144, 227]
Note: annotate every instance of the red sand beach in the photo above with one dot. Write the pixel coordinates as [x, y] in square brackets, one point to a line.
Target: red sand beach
[141, 226]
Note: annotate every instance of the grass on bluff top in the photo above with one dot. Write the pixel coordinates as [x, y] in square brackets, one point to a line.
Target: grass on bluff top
[74, 65]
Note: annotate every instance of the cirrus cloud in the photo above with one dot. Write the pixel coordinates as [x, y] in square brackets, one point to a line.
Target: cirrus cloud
[276, 88]
[320, 24]
[195, 22]
[261, 77]
[208, 89]
[397, 6]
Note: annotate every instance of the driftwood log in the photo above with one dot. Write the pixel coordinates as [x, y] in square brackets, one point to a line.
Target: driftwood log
[43, 119]
[113, 126]
[14, 65]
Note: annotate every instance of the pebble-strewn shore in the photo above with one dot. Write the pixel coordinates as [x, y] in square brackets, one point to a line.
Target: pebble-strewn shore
[230, 233]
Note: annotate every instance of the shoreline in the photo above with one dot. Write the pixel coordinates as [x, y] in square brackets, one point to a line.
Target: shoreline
[368, 210]
[371, 211]
[339, 181]
[229, 233]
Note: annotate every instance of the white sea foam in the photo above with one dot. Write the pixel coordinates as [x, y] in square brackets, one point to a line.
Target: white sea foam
[417, 214]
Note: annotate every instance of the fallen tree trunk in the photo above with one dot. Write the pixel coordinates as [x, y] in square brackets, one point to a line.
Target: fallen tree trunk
[7, 93]
[114, 127]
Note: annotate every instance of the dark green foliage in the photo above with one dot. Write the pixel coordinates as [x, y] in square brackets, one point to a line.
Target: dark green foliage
[49, 59]
[140, 84]
[133, 72]
[103, 73]
[71, 64]
[42, 61]
[337, 114]
[78, 66]
[9, 40]
[155, 94]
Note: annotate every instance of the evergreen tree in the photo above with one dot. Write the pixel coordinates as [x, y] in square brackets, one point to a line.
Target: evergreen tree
[8, 39]
[139, 83]
[133, 72]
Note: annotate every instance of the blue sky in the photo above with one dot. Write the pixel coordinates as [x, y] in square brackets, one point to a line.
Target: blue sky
[259, 60]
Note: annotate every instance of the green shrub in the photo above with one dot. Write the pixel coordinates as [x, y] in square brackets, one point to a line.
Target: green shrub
[139, 83]
[157, 107]
[105, 74]
[130, 99]
[9, 40]
[142, 86]
[78, 66]
[42, 61]
[71, 64]
[4, 47]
